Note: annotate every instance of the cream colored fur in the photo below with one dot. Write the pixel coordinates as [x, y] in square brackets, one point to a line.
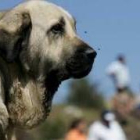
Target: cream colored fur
[25, 107]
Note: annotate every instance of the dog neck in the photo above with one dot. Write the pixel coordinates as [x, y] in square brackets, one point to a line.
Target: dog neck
[37, 93]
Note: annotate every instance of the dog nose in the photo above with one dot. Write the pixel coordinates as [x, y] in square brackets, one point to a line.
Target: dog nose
[91, 54]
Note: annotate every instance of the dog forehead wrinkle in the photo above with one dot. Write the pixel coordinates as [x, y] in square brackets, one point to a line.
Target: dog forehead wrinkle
[46, 15]
[54, 7]
[44, 7]
[41, 5]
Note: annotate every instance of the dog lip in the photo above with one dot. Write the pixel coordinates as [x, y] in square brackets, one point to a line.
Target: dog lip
[52, 82]
[81, 74]
[81, 69]
[51, 85]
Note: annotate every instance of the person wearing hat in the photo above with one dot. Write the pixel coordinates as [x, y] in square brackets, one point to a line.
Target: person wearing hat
[106, 129]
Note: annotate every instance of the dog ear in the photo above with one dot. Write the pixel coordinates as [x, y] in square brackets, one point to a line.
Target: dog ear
[14, 33]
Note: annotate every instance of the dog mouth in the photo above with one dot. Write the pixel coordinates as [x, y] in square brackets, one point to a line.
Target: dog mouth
[54, 79]
[77, 67]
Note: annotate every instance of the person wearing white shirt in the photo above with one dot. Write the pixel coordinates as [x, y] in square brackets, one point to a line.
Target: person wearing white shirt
[119, 73]
[106, 129]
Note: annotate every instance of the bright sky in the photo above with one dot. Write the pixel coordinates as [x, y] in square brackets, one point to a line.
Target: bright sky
[113, 26]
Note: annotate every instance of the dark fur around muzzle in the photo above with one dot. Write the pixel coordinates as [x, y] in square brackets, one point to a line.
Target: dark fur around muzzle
[80, 64]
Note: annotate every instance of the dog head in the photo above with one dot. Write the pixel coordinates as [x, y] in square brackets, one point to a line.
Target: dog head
[42, 37]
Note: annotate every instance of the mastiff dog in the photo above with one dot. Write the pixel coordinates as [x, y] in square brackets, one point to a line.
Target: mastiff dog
[39, 48]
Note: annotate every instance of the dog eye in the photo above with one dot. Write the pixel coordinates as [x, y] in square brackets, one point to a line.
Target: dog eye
[58, 28]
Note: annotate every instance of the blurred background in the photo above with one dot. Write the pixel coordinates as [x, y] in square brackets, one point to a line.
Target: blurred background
[112, 28]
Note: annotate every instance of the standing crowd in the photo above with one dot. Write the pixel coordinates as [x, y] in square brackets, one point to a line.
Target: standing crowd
[106, 128]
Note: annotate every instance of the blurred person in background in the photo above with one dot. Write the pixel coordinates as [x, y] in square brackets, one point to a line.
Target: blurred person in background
[77, 130]
[119, 73]
[123, 101]
[106, 129]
